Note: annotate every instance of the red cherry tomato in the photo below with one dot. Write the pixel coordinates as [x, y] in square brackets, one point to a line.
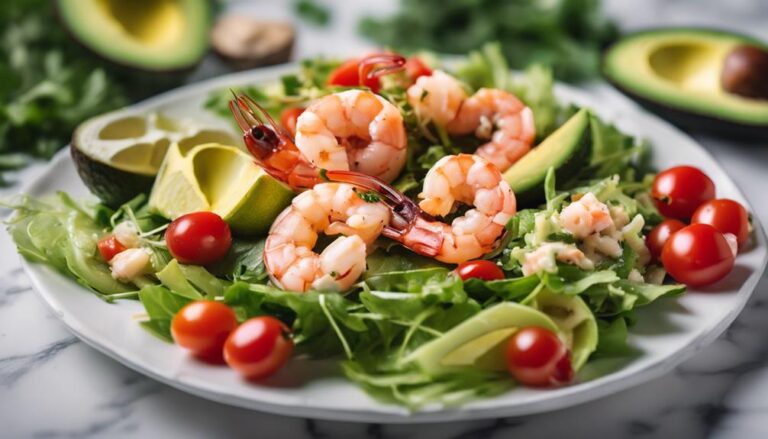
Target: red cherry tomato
[415, 68]
[109, 247]
[202, 327]
[678, 191]
[536, 357]
[348, 75]
[198, 238]
[288, 118]
[727, 216]
[697, 255]
[660, 234]
[258, 347]
[480, 269]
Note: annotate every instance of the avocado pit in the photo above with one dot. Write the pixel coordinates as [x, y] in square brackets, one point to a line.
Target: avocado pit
[745, 72]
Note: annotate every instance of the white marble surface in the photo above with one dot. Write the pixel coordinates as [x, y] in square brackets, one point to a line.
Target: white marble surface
[52, 385]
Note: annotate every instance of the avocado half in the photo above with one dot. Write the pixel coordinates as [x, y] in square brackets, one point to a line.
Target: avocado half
[119, 154]
[147, 35]
[676, 72]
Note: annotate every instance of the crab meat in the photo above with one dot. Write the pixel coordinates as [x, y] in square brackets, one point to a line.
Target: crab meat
[586, 216]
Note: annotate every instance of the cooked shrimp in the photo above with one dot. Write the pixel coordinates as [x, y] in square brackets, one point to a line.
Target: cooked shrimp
[491, 114]
[331, 209]
[353, 130]
[462, 178]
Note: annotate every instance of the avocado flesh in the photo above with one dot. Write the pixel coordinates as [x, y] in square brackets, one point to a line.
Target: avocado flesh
[479, 342]
[563, 150]
[151, 35]
[221, 179]
[677, 72]
[575, 321]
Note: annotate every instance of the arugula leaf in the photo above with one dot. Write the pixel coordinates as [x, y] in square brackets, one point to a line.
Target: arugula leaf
[505, 289]
[243, 262]
[161, 305]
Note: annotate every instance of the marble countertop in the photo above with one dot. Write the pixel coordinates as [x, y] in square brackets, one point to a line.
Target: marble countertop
[52, 385]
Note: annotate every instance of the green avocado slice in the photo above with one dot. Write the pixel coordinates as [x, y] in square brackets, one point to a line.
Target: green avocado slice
[677, 73]
[563, 150]
[479, 342]
[148, 35]
[575, 321]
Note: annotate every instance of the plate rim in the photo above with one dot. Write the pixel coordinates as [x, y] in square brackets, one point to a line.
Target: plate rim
[619, 380]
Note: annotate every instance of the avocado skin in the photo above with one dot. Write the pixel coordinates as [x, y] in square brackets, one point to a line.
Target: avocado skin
[698, 122]
[113, 186]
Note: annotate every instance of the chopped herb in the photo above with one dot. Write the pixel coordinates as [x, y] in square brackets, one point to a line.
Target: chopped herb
[368, 196]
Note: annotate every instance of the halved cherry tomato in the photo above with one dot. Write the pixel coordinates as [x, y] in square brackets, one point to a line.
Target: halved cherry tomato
[348, 75]
[678, 191]
[536, 357]
[727, 216]
[109, 247]
[288, 118]
[697, 255]
[479, 269]
[198, 238]
[415, 68]
[258, 347]
[660, 234]
[202, 327]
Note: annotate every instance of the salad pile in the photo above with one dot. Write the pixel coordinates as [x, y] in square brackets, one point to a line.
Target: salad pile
[574, 235]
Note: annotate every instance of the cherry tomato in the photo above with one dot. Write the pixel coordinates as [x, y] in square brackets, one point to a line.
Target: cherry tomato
[109, 247]
[258, 347]
[480, 269]
[348, 75]
[288, 118]
[415, 68]
[198, 238]
[678, 191]
[660, 234]
[202, 327]
[536, 357]
[697, 255]
[727, 216]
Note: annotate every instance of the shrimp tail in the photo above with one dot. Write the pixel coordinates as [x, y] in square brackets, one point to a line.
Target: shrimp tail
[409, 225]
[379, 64]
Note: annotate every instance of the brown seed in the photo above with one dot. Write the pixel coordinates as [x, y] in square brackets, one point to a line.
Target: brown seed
[745, 72]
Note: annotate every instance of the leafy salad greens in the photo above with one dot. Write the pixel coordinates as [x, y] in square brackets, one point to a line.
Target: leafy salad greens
[387, 329]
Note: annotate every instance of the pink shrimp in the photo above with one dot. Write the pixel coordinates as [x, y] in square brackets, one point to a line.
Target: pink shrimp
[462, 178]
[490, 113]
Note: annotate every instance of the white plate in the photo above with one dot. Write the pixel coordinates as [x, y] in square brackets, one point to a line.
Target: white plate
[667, 333]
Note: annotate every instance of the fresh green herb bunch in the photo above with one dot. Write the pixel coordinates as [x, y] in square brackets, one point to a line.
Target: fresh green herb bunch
[564, 34]
[48, 84]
